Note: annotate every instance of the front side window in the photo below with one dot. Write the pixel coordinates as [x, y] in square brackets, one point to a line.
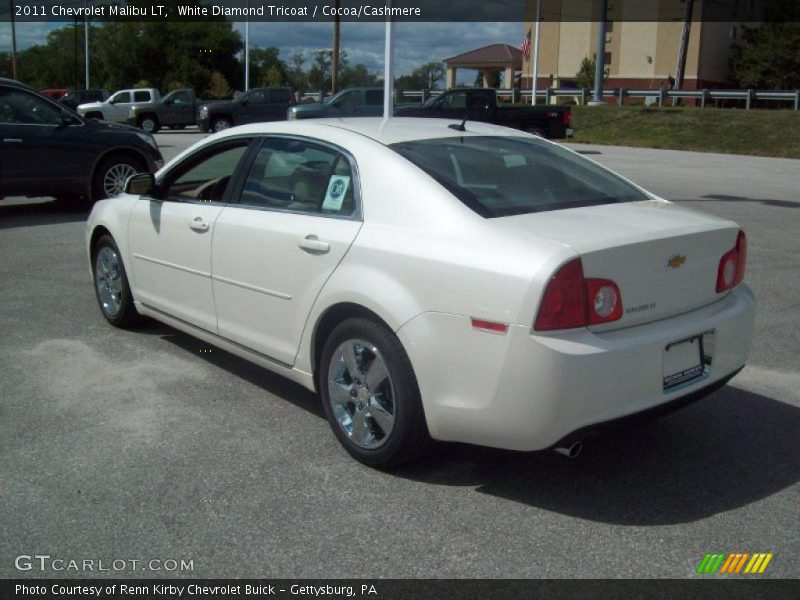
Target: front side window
[21, 108]
[349, 99]
[503, 176]
[205, 178]
[300, 176]
[121, 98]
[181, 98]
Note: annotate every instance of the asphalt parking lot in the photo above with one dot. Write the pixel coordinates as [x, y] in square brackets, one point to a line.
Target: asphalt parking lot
[149, 444]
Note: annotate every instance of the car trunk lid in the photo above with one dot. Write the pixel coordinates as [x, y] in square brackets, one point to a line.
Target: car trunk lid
[663, 257]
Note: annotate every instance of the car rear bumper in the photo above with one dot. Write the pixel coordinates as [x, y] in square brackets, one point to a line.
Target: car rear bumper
[526, 391]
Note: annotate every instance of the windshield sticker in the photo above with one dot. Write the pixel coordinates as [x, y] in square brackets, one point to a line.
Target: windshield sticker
[337, 189]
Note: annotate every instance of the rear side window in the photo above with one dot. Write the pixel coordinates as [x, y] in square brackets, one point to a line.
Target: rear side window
[374, 97]
[280, 96]
[141, 96]
[503, 176]
[300, 176]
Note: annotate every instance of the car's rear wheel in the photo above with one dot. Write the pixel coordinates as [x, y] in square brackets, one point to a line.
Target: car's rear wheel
[370, 394]
[149, 124]
[111, 285]
[220, 124]
[112, 173]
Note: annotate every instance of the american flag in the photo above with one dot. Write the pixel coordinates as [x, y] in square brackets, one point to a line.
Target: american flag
[526, 46]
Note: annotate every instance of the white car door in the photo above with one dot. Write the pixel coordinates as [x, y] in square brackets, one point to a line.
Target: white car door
[297, 216]
[170, 235]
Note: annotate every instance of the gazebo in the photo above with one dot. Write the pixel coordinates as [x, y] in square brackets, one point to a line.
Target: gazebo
[489, 60]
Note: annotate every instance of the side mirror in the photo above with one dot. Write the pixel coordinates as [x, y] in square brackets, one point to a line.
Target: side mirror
[141, 184]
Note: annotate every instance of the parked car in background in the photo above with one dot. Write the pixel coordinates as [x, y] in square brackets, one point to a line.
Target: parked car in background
[54, 93]
[255, 105]
[350, 102]
[480, 104]
[176, 110]
[481, 285]
[49, 150]
[118, 106]
[74, 98]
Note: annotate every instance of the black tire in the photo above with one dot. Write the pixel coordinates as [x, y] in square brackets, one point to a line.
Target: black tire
[409, 437]
[220, 124]
[106, 165]
[149, 123]
[126, 315]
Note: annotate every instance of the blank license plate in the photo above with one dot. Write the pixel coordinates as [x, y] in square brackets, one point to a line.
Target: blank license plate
[682, 362]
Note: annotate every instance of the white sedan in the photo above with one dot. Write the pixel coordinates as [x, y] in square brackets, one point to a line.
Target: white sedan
[474, 284]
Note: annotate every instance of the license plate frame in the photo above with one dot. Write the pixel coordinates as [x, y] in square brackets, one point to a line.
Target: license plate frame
[683, 361]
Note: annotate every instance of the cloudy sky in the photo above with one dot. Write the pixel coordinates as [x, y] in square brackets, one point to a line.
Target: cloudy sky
[416, 43]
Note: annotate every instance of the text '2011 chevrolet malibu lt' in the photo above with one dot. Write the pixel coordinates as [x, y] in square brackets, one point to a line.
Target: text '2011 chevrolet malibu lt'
[431, 281]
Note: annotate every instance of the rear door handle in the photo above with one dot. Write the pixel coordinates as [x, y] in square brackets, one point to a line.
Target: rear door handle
[198, 224]
[12, 141]
[314, 245]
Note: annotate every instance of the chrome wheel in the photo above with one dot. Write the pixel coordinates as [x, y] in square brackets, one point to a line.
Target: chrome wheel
[149, 125]
[361, 393]
[115, 178]
[221, 124]
[108, 279]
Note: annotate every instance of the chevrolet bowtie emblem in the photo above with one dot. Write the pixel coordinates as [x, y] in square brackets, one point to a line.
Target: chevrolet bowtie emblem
[676, 261]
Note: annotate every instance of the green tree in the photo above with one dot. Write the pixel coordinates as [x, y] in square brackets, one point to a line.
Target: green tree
[585, 74]
[423, 77]
[296, 74]
[357, 76]
[219, 88]
[274, 77]
[768, 56]
[267, 66]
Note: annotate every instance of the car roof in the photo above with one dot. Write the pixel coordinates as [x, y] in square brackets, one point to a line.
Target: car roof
[14, 82]
[393, 131]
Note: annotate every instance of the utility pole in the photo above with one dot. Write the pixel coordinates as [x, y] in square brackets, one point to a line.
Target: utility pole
[335, 53]
[683, 47]
[600, 54]
[86, 42]
[75, 63]
[247, 49]
[13, 41]
[535, 73]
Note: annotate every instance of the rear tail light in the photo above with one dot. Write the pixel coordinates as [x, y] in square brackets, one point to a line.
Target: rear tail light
[570, 300]
[731, 266]
[566, 116]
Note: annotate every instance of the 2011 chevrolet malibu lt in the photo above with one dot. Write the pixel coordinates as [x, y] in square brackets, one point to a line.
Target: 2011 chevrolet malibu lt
[431, 281]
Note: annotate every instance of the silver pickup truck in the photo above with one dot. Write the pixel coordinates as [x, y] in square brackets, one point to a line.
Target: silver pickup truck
[118, 106]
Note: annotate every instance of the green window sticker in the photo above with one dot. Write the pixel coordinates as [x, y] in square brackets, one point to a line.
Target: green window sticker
[337, 190]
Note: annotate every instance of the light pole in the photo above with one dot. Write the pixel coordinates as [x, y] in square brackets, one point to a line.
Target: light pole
[536, 51]
[247, 49]
[335, 53]
[599, 57]
[13, 41]
[86, 42]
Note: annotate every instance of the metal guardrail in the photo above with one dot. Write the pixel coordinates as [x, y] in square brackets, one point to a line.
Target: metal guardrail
[660, 96]
[582, 96]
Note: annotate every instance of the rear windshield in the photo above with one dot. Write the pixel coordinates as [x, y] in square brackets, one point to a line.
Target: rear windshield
[503, 176]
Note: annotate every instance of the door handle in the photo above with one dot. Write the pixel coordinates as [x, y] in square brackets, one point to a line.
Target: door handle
[198, 224]
[12, 141]
[314, 245]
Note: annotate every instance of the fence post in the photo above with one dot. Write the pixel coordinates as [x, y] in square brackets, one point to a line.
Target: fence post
[621, 96]
[660, 98]
[584, 96]
[703, 98]
[749, 99]
[547, 91]
[797, 99]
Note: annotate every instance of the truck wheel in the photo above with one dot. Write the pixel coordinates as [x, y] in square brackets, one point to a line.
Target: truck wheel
[220, 124]
[112, 173]
[149, 124]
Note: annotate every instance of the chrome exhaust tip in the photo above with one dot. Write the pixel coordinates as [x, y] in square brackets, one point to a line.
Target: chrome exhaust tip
[571, 451]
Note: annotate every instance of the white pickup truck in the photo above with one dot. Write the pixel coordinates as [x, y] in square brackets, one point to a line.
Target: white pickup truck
[119, 104]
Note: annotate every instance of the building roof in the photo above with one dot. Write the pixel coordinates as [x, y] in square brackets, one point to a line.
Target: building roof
[494, 53]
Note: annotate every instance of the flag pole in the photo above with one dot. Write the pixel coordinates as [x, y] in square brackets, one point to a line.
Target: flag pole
[536, 52]
[388, 71]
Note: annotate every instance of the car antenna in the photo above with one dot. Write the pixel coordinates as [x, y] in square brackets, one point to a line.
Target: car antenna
[460, 126]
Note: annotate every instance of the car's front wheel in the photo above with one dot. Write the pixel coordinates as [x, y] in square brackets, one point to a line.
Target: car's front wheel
[111, 284]
[149, 124]
[112, 174]
[220, 124]
[370, 394]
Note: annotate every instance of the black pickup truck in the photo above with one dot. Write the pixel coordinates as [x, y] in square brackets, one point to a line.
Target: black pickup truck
[253, 106]
[175, 110]
[480, 104]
